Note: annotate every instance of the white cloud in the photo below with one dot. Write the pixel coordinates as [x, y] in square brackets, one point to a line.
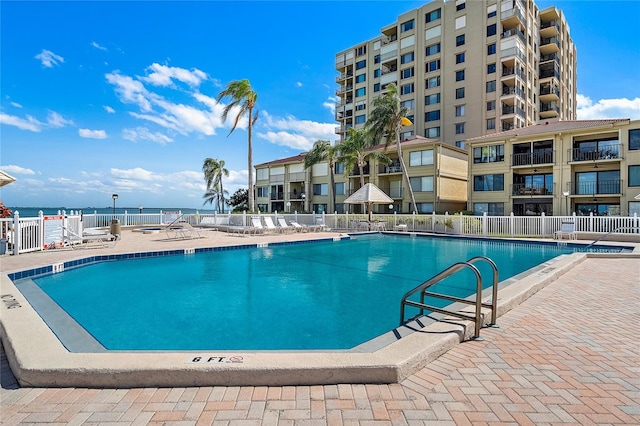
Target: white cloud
[92, 134]
[330, 104]
[30, 123]
[17, 170]
[607, 108]
[56, 120]
[142, 133]
[97, 46]
[15, 104]
[298, 84]
[109, 109]
[130, 90]
[162, 75]
[49, 59]
[294, 133]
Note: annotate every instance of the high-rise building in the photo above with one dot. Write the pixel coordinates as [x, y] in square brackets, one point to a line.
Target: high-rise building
[464, 69]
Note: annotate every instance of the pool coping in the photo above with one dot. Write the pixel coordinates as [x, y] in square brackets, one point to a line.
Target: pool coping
[37, 358]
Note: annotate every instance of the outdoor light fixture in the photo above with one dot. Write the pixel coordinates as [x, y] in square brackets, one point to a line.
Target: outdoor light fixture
[140, 209]
[566, 198]
[115, 197]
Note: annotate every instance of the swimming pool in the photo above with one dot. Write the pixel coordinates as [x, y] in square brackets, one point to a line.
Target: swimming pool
[325, 295]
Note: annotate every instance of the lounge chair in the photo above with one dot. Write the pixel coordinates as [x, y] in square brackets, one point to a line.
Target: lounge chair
[321, 225]
[74, 240]
[256, 223]
[568, 229]
[304, 228]
[270, 226]
[182, 229]
[283, 226]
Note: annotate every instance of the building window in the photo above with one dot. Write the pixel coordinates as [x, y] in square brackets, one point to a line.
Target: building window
[488, 154]
[406, 89]
[361, 50]
[433, 49]
[340, 188]
[493, 209]
[433, 16]
[432, 99]
[460, 144]
[339, 168]
[460, 111]
[432, 82]
[406, 58]
[491, 68]
[377, 72]
[361, 78]
[361, 91]
[491, 106]
[634, 175]
[262, 174]
[406, 73]
[492, 11]
[376, 87]
[491, 30]
[319, 208]
[422, 183]
[491, 49]
[634, 139]
[460, 75]
[320, 188]
[605, 182]
[421, 158]
[460, 93]
[459, 128]
[408, 104]
[460, 40]
[460, 6]
[491, 124]
[376, 59]
[361, 64]
[361, 106]
[433, 65]
[432, 115]
[459, 58]
[424, 207]
[432, 132]
[361, 119]
[491, 86]
[597, 209]
[488, 183]
[263, 191]
[406, 26]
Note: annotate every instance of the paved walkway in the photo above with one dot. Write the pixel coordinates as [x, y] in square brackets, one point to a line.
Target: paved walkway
[570, 354]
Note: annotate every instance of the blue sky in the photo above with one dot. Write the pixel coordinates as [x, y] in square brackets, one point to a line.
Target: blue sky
[119, 97]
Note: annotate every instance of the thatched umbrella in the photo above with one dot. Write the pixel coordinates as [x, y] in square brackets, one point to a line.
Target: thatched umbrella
[369, 194]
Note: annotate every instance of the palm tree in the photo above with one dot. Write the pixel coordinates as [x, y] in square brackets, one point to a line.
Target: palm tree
[385, 121]
[243, 97]
[214, 170]
[356, 150]
[323, 151]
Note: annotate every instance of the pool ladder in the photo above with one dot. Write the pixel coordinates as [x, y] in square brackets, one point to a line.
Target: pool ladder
[456, 267]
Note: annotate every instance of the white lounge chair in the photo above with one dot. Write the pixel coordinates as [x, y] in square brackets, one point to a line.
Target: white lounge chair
[182, 229]
[271, 227]
[256, 223]
[283, 226]
[567, 229]
[304, 228]
[74, 240]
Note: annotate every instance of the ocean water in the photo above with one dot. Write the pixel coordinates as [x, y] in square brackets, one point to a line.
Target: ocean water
[35, 211]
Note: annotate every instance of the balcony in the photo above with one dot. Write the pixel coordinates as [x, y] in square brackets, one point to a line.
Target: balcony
[513, 16]
[549, 110]
[549, 45]
[276, 178]
[356, 171]
[537, 157]
[512, 71]
[512, 109]
[549, 28]
[601, 187]
[549, 93]
[608, 152]
[297, 177]
[342, 90]
[395, 167]
[547, 58]
[275, 196]
[513, 32]
[296, 196]
[521, 189]
[343, 76]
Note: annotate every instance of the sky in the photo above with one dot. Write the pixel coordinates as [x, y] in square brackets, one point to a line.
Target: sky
[98, 98]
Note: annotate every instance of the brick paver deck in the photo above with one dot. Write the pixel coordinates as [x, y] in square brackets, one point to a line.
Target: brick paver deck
[570, 354]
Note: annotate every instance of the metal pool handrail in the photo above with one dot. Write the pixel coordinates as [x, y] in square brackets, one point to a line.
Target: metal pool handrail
[456, 267]
[626, 228]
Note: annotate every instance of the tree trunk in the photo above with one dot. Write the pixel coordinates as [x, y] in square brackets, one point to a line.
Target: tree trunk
[250, 163]
[405, 173]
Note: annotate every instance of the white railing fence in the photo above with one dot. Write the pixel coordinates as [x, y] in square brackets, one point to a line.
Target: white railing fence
[23, 235]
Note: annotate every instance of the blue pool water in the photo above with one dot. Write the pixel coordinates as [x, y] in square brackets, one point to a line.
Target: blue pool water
[324, 295]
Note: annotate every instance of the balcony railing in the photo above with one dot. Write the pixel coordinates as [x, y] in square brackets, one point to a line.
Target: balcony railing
[343, 76]
[609, 152]
[542, 156]
[277, 196]
[512, 109]
[521, 189]
[544, 107]
[550, 40]
[549, 90]
[276, 178]
[391, 168]
[506, 91]
[295, 195]
[601, 187]
[513, 32]
[356, 171]
[506, 72]
[513, 12]
[550, 57]
[297, 177]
